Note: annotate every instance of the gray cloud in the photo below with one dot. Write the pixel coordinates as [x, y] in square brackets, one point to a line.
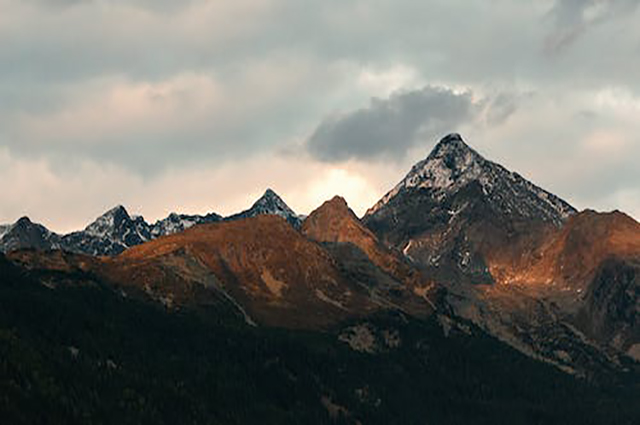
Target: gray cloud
[389, 127]
[149, 87]
[500, 107]
[572, 18]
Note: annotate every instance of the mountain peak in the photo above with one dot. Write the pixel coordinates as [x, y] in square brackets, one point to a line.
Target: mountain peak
[272, 203]
[333, 221]
[453, 146]
[24, 221]
[117, 210]
[452, 165]
[269, 203]
[336, 208]
[270, 198]
[108, 221]
[270, 193]
[24, 233]
[337, 203]
[117, 227]
[452, 141]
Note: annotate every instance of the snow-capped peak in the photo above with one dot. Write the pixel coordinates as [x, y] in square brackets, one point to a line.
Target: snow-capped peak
[106, 224]
[26, 234]
[452, 165]
[175, 223]
[269, 203]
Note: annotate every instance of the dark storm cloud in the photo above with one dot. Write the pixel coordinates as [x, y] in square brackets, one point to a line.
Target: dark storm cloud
[389, 127]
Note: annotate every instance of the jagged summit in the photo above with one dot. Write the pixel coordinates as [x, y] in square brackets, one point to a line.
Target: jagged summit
[451, 142]
[269, 203]
[176, 223]
[455, 209]
[23, 221]
[453, 165]
[270, 197]
[107, 222]
[338, 203]
[26, 234]
[272, 203]
[450, 165]
[334, 221]
[330, 219]
[110, 234]
[454, 153]
[451, 162]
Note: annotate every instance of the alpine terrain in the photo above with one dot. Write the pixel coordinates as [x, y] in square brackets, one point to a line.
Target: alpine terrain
[466, 295]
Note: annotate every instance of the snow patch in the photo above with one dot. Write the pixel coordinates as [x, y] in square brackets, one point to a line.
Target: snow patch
[453, 165]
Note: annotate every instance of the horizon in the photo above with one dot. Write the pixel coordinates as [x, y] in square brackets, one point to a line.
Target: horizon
[167, 107]
[360, 213]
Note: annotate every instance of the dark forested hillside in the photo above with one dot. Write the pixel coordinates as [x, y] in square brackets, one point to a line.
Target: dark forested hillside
[82, 353]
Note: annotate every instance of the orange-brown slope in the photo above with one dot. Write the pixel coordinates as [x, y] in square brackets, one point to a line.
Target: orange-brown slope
[588, 239]
[589, 271]
[337, 226]
[267, 267]
[571, 256]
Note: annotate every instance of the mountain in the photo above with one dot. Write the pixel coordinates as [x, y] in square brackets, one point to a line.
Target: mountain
[77, 350]
[4, 229]
[592, 270]
[357, 249]
[109, 234]
[456, 211]
[26, 234]
[519, 262]
[269, 203]
[115, 231]
[273, 274]
[325, 319]
[176, 223]
[260, 269]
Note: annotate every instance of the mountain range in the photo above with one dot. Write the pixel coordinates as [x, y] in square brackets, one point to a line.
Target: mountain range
[116, 230]
[471, 253]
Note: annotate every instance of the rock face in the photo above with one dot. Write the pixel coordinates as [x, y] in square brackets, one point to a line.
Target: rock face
[611, 310]
[556, 284]
[460, 236]
[273, 273]
[269, 203]
[176, 223]
[357, 249]
[334, 222]
[455, 211]
[116, 230]
[110, 234]
[592, 267]
[26, 234]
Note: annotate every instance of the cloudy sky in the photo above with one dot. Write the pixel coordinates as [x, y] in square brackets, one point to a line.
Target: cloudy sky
[198, 106]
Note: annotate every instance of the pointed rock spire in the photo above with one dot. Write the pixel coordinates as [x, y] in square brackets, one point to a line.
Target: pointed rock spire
[269, 203]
